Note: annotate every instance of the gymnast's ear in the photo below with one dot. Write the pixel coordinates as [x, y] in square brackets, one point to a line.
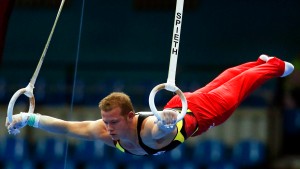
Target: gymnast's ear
[130, 115]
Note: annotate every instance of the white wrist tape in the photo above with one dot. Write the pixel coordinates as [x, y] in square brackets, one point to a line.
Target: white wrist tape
[30, 119]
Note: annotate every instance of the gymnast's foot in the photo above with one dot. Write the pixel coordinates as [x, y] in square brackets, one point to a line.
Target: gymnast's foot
[288, 69]
[265, 58]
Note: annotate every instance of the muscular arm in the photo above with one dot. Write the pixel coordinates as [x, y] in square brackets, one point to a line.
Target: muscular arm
[84, 129]
[90, 130]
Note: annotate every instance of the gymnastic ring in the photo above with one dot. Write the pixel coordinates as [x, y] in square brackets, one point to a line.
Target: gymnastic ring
[26, 91]
[172, 88]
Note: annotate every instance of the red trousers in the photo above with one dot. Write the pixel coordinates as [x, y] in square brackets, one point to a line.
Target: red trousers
[215, 102]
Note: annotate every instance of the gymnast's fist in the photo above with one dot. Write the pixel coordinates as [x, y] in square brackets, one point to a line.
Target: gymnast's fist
[19, 121]
[168, 118]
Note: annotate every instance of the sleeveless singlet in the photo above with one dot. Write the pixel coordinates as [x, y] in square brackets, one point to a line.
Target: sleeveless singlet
[178, 139]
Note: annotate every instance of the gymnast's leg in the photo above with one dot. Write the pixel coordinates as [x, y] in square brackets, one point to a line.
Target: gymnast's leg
[221, 79]
[216, 106]
[228, 96]
[230, 73]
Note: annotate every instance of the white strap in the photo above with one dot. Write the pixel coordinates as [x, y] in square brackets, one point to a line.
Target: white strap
[175, 41]
[170, 85]
[28, 91]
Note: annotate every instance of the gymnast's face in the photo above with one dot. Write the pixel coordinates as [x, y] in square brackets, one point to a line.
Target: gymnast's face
[116, 124]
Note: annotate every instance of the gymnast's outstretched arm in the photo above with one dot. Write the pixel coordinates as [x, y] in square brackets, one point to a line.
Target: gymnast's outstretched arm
[89, 130]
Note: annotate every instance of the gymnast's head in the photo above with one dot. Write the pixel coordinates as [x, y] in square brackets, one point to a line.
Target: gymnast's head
[116, 100]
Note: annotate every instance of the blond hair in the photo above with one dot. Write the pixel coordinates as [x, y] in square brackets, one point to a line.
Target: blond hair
[117, 99]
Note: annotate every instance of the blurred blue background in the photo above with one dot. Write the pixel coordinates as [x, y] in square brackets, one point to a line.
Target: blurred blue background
[125, 46]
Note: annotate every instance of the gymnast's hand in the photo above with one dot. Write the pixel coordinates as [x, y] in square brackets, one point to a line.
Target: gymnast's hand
[19, 121]
[168, 118]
